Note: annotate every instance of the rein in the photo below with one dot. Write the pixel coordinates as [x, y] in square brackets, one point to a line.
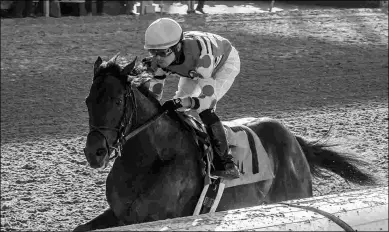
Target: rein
[144, 126]
[124, 123]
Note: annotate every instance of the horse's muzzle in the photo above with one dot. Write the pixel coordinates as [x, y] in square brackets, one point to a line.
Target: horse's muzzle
[101, 152]
[97, 158]
[97, 149]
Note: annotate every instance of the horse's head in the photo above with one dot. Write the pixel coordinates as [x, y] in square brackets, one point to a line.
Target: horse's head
[111, 107]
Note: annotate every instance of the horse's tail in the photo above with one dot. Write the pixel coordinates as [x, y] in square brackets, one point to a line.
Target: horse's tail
[320, 155]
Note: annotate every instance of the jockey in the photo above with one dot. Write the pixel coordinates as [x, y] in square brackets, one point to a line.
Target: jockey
[207, 65]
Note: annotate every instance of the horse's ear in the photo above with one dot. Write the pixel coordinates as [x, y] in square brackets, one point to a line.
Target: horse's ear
[128, 68]
[113, 59]
[97, 64]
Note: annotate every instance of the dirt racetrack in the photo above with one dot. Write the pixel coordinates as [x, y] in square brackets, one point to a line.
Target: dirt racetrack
[313, 70]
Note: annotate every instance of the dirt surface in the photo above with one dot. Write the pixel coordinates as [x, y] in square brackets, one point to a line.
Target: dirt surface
[313, 70]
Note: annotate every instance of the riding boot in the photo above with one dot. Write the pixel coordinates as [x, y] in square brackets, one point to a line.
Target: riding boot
[225, 166]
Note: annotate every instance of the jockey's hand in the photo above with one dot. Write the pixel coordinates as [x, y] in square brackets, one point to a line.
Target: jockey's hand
[172, 104]
[150, 62]
[147, 60]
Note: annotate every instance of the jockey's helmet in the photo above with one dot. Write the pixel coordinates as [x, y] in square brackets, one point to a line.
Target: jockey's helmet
[163, 33]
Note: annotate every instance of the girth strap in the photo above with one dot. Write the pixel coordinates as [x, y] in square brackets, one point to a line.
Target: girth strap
[199, 136]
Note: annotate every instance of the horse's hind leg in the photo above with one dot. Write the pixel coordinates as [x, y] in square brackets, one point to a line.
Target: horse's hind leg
[104, 220]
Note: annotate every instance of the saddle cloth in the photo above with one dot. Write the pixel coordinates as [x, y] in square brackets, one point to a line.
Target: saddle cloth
[247, 151]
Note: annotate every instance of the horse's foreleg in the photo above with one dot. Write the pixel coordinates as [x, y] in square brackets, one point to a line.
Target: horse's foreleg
[104, 220]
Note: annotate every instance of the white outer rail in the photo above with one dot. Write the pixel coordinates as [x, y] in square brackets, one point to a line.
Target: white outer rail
[362, 210]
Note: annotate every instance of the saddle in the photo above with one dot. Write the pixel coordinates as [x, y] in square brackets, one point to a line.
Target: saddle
[247, 151]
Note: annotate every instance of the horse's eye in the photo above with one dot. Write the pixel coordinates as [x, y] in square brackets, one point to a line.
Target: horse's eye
[119, 102]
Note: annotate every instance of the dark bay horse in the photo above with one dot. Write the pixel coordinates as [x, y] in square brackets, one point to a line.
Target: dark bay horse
[158, 176]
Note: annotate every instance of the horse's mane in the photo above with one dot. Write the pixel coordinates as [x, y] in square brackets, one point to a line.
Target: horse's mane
[109, 67]
[139, 77]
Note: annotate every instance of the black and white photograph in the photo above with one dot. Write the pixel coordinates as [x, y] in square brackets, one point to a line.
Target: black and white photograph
[194, 115]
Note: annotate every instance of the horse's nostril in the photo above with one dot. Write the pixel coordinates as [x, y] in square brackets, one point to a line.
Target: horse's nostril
[101, 152]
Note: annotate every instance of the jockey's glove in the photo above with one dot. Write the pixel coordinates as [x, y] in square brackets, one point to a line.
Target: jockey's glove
[147, 60]
[172, 104]
[150, 62]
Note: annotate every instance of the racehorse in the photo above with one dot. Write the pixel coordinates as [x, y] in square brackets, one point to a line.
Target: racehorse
[157, 174]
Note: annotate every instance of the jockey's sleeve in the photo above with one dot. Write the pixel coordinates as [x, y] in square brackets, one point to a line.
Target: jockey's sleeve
[157, 83]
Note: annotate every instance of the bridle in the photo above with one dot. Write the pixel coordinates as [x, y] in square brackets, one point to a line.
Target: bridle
[127, 121]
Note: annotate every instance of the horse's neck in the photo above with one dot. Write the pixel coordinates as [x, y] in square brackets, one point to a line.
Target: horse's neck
[161, 162]
[163, 139]
[139, 148]
[146, 109]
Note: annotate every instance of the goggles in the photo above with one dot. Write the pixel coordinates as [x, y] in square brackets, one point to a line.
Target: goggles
[161, 52]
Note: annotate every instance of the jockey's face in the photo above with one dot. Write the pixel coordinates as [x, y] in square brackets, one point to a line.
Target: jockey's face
[165, 57]
[165, 61]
